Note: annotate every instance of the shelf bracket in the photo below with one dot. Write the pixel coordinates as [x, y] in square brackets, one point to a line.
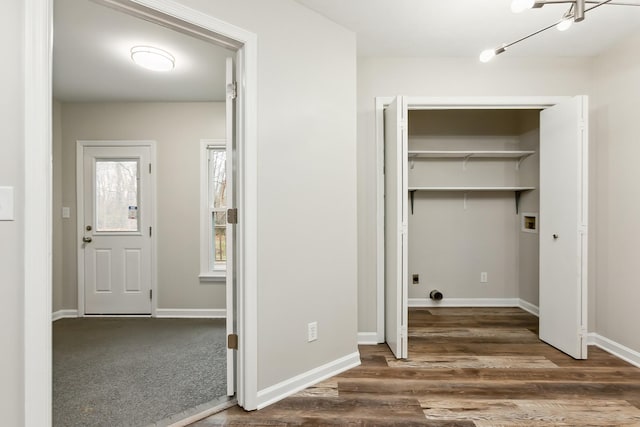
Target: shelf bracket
[411, 196]
[465, 160]
[520, 159]
[464, 201]
[517, 196]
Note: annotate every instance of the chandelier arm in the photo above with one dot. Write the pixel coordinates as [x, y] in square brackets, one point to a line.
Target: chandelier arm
[540, 3]
[504, 46]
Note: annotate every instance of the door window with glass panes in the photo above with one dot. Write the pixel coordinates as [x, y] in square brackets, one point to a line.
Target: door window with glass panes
[217, 207]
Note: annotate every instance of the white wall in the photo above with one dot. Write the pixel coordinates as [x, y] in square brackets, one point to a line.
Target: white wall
[509, 76]
[177, 129]
[451, 242]
[306, 182]
[12, 232]
[307, 252]
[615, 129]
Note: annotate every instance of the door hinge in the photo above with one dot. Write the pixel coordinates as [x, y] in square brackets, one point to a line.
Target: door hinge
[403, 332]
[232, 341]
[150, 232]
[149, 167]
[232, 216]
[232, 90]
[150, 293]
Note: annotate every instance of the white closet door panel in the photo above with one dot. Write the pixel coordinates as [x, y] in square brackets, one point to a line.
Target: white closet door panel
[563, 226]
[395, 158]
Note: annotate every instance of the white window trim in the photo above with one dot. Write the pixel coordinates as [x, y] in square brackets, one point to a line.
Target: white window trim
[206, 274]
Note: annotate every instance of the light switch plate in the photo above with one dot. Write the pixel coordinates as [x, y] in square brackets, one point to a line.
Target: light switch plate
[6, 204]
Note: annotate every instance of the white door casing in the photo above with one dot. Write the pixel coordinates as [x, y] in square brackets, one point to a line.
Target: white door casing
[230, 246]
[563, 226]
[395, 226]
[115, 252]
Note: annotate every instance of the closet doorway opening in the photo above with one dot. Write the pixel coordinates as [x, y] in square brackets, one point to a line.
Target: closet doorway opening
[475, 182]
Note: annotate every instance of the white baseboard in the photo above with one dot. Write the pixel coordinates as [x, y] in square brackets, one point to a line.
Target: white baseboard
[527, 306]
[293, 385]
[64, 314]
[367, 338]
[465, 302]
[618, 350]
[191, 313]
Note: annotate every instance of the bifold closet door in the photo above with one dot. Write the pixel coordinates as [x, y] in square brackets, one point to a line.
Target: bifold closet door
[395, 226]
[563, 226]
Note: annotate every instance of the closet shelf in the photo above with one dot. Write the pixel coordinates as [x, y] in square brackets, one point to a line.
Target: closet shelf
[469, 154]
[471, 188]
[465, 155]
[516, 192]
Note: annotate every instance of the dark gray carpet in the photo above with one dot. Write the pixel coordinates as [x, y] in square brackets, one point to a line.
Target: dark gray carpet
[133, 372]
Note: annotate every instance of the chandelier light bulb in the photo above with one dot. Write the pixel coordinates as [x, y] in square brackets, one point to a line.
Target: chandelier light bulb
[518, 6]
[565, 24]
[487, 55]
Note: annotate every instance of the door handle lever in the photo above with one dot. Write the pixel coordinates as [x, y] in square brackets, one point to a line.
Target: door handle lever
[87, 239]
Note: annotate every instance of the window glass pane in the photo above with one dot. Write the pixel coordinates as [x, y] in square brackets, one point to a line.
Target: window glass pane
[220, 218]
[220, 243]
[117, 195]
[217, 177]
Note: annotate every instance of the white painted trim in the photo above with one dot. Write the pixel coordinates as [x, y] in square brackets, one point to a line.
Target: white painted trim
[625, 353]
[369, 338]
[191, 313]
[293, 385]
[381, 103]
[80, 213]
[435, 103]
[64, 314]
[483, 102]
[464, 302]
[527, 306]
[38, 183]
[38, 230]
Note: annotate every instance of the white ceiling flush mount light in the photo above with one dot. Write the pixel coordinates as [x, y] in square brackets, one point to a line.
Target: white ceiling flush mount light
[575, 13]
[152, 58]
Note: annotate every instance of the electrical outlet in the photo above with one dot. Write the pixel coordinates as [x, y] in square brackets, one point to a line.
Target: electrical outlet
[416, 279]
[312, 331]
[483, 277]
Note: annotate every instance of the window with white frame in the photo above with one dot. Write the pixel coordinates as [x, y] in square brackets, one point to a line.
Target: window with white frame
[213, 257]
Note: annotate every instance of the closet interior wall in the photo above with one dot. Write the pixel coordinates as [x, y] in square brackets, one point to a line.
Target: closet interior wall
[454, 236]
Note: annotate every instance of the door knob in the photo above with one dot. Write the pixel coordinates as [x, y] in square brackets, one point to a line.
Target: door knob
[555, 236]
[87, 239]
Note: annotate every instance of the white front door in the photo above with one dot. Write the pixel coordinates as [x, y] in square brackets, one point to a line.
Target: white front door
[115, 241]
[563, 226]
[395, 227]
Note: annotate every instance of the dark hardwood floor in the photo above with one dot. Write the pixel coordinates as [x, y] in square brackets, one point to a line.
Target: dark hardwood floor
[467, 367]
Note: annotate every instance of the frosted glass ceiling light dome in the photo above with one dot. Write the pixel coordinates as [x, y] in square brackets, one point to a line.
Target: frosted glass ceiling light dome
[153, 58]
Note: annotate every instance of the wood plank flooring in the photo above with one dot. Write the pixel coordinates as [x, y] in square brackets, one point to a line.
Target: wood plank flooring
[467, 367]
